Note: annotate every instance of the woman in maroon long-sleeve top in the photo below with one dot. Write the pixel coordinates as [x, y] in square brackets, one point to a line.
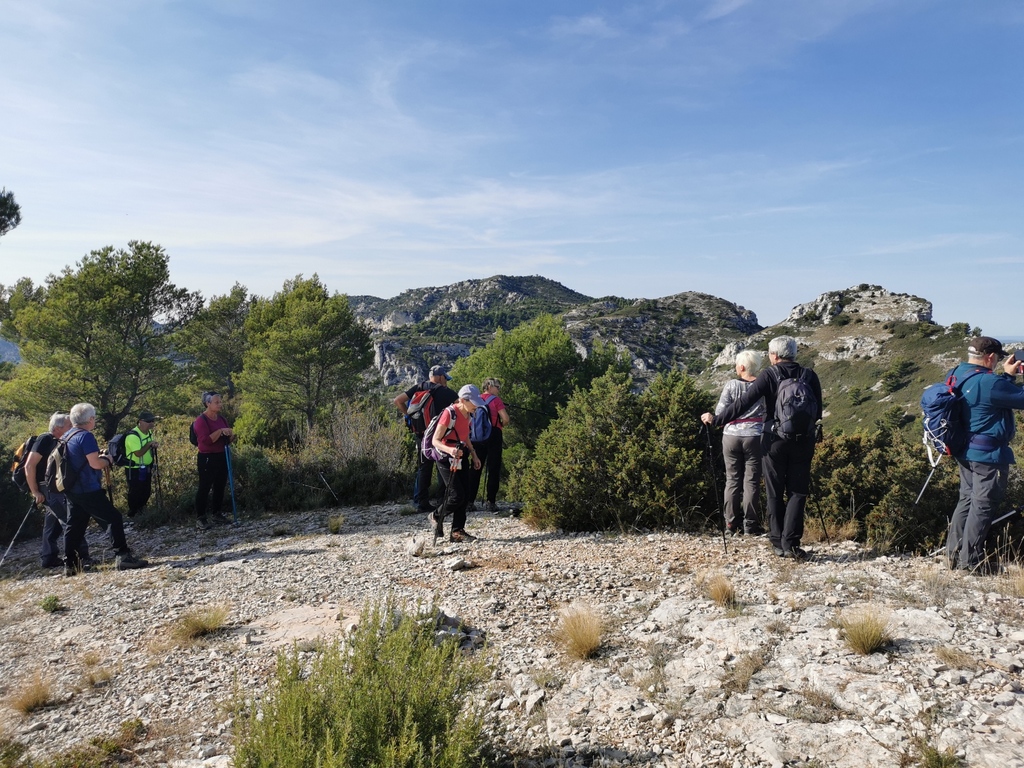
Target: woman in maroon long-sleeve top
[212, 436]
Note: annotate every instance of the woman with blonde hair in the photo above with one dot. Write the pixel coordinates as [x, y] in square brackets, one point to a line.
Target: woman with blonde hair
[741, 448]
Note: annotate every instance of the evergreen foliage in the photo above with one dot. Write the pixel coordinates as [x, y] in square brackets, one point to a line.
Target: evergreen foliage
[101, 333]
[539, 367]
[306, 352]
[10, 212]
[619, 460]
[390, 697]
[214, 343]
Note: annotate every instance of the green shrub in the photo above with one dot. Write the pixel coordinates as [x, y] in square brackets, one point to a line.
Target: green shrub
[388, 697]
[617, 460]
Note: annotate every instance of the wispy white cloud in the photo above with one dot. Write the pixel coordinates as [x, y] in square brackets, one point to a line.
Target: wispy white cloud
[590, 26]
[721, 8]
[937, 242]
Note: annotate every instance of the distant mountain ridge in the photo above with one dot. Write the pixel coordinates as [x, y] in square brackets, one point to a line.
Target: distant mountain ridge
[426, 326]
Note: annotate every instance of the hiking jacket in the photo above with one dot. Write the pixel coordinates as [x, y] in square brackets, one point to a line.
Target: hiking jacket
[766, 385]
[990, 400]
[134, 441]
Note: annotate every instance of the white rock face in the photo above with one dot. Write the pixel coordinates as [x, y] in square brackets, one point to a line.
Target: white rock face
[870, 302]
[678, 681]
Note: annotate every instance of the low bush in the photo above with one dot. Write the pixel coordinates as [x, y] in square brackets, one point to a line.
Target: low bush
[618, 460]
[388, 696]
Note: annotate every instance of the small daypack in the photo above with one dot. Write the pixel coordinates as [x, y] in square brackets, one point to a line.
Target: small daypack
[60, 474]
[18, 465]
[945, 423]
[192, 436]
[427, 448]
[796, 407]
[419, 412]
[480, 425]
[115, 449]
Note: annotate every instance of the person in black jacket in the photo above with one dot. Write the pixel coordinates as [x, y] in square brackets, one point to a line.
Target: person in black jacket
[442, 397]
[787, 456]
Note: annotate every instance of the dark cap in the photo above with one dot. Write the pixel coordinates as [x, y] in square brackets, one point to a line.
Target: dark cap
[147, 416]
[985, 345]
[440, 370]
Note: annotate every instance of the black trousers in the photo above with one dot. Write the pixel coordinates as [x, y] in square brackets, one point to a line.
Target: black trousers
[490, 452]
[213, 476]
[140, 487]
[96, 505]
[457, 495]
[787, 481]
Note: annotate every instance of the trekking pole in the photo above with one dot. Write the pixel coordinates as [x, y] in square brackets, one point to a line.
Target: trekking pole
[821, 515]
[31, 506]
[442, 511]
[714, 482]
[336, 499]
[1009, 514]
[231, 482]
[156, 471]
[110, 487]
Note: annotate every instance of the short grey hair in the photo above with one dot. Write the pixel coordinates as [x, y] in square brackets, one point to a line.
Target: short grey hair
[751, 360]
[783, 347]
[208, 396]
[59, 420]
[492, 382]
[81, 413]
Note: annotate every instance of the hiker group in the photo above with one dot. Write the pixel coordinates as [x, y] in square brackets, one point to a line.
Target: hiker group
[64, 470]
[462, 435]
[772, 421]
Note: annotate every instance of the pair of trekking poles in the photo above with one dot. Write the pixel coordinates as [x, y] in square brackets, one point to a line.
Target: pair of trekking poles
[718, 498]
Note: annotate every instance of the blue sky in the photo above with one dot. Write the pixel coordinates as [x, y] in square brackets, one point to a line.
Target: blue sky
[764, 151]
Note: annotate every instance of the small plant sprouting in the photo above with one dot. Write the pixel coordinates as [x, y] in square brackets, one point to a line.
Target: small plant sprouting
[51, 604]
[580, 630]
[865, 631]
[956, 658]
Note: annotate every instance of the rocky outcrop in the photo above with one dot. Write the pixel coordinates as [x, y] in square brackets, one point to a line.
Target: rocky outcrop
[678, 680]
[869, 302]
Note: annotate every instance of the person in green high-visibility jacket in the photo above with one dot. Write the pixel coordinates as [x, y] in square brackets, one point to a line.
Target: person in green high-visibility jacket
[140, 451]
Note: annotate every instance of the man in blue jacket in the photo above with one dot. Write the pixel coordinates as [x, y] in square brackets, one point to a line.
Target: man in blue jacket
[990, 399]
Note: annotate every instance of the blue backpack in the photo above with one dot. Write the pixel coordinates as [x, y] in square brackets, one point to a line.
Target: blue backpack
[480, 425]
[945, 423]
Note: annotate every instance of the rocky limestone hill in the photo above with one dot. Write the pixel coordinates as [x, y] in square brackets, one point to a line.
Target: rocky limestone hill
[425, 326]
[679, 679]
[873, 350]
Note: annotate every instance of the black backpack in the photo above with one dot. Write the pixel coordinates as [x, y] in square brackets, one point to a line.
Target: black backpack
[796, 407]
[18, 465]
[60, 473]
[115, 449]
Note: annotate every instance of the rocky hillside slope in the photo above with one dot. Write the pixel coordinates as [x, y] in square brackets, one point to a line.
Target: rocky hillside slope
[679, 679]
[425, 326]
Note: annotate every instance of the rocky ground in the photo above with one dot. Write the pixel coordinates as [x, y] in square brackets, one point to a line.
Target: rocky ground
[678, 681]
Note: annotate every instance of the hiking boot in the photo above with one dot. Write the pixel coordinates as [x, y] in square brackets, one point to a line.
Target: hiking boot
[461, 536]
[72, 570]
[53, 562]
[202, 524]
[219, 518]
[492, 507]
[436, 524]
[734, 530]
[798, 554]
[128, 562]
[471, 507]
[779, 551]
[754, 531]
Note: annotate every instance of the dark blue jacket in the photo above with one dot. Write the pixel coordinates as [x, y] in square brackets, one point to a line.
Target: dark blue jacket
[991, 399]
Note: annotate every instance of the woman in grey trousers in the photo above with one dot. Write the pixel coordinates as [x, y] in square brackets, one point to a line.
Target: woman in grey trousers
[741, 447]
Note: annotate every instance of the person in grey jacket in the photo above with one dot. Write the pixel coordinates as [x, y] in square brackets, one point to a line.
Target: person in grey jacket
[741, 448]
[989, 399]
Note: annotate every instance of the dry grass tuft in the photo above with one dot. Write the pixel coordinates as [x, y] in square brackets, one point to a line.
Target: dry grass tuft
[335, 523]
[956, 658]
[1013, 581]
[815, 534]
[938, 584]
[199, 623]
[737, 680]
[719, 589]
[36, 695]
[866, 630]
[580, 630]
